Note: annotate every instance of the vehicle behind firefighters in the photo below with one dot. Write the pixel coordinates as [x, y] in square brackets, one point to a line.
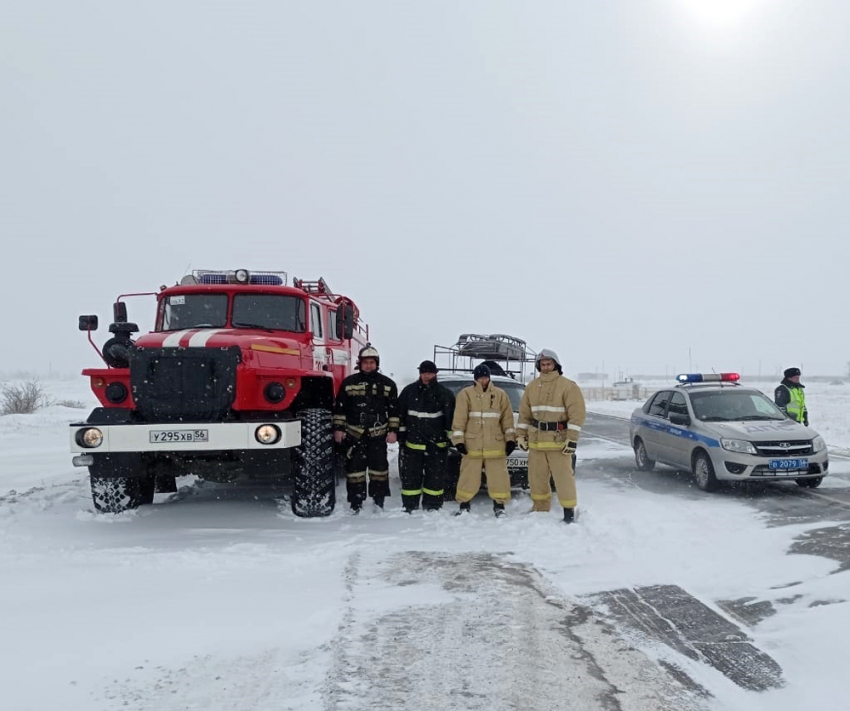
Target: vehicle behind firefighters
[236, 381]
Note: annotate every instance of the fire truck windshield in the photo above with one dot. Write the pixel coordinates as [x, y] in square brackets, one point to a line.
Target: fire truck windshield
[269, 311]
[183, 311]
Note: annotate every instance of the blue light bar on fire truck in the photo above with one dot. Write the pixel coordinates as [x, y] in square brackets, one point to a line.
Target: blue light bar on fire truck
[240, 276]
[708, 378]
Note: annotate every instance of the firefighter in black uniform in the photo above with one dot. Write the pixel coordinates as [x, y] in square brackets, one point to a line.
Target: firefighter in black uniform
[365, 421]
[425, 409]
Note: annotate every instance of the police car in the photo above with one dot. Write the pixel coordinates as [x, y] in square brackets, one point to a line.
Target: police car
[518, 461]
[722, 431]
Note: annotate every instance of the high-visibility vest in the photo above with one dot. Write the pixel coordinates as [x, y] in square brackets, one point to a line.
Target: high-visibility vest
[797, 407]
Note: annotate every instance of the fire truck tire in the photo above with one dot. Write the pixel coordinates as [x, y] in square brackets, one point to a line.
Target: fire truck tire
[120, 493]
[313, 476]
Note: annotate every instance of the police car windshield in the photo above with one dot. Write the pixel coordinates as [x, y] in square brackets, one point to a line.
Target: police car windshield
[514, 390]
[733, 406]
[183, 311]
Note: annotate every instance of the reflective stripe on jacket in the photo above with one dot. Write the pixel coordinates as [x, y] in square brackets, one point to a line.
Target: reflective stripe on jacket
[551, 397]
[483, 421]
[366, 402]
[425, 413]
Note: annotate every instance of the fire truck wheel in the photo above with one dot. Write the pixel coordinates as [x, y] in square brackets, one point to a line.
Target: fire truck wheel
[313, 477]
[117, 494]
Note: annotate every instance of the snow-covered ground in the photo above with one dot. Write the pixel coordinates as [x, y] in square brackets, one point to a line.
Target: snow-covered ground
[219, 598]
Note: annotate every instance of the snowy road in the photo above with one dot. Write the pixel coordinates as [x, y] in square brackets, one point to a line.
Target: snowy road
[219, 598]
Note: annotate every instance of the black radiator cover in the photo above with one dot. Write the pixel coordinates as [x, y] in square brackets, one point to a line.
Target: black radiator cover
[183, 384]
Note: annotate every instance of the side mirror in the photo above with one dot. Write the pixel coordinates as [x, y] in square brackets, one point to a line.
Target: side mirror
[677, 418]
[119, 312]
[345, 322]
[88, 323]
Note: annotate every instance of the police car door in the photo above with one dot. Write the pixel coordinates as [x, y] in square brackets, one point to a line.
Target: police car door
[656, 425]
[676, 442]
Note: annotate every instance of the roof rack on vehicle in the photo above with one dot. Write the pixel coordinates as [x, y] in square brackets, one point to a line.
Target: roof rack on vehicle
[503, 354]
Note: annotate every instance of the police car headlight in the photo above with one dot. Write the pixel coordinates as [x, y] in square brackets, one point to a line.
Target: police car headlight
[818, 444]
[738, 445]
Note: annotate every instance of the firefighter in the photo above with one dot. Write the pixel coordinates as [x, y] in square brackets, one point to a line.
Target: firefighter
[426, 409]
[551, 416]
[790, 397]
[483, 432]
[365, 422]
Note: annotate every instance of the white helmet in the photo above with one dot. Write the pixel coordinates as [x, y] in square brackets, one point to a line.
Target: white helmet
[548, 353]
[369, 352]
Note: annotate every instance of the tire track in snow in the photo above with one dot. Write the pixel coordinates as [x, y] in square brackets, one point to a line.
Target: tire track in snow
[432, 631]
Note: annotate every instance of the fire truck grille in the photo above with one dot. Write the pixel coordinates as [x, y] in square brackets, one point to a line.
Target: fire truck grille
[183, 384]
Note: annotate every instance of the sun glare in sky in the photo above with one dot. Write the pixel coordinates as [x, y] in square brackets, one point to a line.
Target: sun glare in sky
[722, 13]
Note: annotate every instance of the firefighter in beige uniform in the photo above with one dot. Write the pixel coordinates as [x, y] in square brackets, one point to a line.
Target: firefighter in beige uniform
[551, 416]
[483, 432]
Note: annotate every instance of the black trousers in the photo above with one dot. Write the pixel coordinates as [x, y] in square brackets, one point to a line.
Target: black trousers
[423, 473]
[367, 458]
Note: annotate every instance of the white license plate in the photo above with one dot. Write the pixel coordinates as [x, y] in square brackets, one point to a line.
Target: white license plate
[517, 463]
[175, 436]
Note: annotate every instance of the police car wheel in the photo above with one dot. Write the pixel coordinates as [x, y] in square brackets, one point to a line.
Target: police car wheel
[642, 460]
[812, 483]
[704, 473]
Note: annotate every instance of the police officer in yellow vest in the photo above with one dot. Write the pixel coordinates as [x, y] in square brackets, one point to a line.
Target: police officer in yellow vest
[483, 432]
[790, 397]
[551, 416]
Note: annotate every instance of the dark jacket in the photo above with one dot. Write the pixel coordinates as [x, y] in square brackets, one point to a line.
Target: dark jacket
[782, 398]
[425, 412]
[366, 402]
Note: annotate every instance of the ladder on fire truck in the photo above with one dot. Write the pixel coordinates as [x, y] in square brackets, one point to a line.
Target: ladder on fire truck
[318, 286]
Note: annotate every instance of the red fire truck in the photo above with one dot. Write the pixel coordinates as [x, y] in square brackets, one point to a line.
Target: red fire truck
[237, 380]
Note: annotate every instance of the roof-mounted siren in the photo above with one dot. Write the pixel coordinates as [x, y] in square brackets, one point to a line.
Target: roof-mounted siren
[685, 378]
[236, 276]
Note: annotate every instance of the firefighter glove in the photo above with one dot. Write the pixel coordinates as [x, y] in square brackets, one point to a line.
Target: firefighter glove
[461, 448]
[509, 447]
[522, 443]
[569, 448]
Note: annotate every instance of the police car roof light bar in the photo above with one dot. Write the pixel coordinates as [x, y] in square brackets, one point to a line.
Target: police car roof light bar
[708, 377]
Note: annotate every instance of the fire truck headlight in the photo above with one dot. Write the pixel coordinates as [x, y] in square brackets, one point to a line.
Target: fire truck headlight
[90, 438]
[116, 392]
[274, 392]
[267, 434]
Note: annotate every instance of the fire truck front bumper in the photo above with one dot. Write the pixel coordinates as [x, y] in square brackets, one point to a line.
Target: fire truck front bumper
[183, 437]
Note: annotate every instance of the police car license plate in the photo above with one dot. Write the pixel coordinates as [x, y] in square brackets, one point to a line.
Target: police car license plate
[517, 463]
[171, 436]
[782, 464]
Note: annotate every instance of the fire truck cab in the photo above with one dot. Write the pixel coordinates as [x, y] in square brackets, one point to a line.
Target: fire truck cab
[236, 380]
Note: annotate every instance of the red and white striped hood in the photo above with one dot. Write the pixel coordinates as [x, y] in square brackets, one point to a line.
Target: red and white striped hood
[217, 338]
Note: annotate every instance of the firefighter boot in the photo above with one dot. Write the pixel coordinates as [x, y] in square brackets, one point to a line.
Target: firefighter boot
[499, 510]
[569, 515]
[464, 508]
[356, 495]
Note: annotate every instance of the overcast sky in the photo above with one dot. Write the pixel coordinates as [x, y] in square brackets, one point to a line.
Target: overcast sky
[626, 182]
